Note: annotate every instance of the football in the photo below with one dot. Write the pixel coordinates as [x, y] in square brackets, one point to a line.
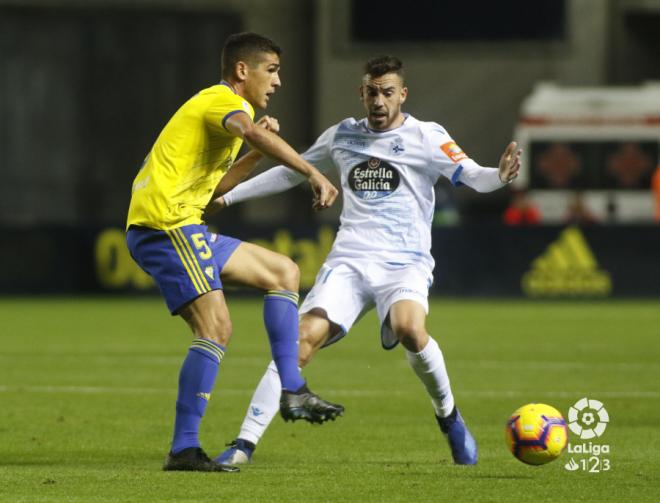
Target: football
[536, 433]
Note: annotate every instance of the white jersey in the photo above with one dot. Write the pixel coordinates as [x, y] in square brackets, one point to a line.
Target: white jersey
[387, 179]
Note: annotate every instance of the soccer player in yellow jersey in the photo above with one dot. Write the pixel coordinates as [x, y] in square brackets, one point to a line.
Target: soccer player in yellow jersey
[167, 238]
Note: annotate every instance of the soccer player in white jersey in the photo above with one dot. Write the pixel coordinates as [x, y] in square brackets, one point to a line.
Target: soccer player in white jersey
[388, 163]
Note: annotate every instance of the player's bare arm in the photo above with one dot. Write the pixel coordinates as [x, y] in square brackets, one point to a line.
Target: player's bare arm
[276, 148]
[510, 163]
[241, 169]
[238, 172]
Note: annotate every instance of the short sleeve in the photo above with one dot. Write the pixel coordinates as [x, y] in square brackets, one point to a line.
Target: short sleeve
[446, 155]
[223, 107]
[319, 153]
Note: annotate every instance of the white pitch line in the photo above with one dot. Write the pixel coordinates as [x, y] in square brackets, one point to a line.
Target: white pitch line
[554, 365]
[85, 390]
[167, 360]
[563, 394]
[101, 390]
[113, 360]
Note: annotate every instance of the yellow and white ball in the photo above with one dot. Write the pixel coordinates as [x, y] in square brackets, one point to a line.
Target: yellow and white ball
[536, 433]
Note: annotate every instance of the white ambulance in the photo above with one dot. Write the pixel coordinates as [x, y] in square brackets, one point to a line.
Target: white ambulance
[590, 150]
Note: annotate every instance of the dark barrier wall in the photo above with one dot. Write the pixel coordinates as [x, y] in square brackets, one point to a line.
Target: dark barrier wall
[548, 261]
[543, 262]
[84, 92]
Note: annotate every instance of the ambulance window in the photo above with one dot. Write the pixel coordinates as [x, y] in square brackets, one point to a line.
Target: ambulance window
[593, 165]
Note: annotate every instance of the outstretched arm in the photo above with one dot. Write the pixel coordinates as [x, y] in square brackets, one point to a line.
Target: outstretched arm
[279, 178]
[484, 179]
[239, 171]
[273, 181]
[242, 168]
[276, 148]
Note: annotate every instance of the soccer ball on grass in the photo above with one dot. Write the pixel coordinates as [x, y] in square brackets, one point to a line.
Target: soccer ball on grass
[536, 433]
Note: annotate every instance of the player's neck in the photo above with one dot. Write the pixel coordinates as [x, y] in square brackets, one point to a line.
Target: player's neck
[235, 86]
[396, 122]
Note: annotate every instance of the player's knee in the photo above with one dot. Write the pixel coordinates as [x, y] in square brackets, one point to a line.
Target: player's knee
[287, 275]
[217, 328]
[412, 335]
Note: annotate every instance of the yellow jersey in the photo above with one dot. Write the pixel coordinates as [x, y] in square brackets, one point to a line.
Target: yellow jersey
[191, 155]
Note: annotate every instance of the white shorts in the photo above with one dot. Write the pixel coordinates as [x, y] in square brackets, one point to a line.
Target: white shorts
[347, 289]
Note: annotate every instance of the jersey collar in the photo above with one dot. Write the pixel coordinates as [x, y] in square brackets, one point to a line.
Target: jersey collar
[225, 83]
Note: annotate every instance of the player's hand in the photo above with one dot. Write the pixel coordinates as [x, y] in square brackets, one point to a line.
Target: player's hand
[269, 123]
[510, 163]
[214, 206]
[324, 192]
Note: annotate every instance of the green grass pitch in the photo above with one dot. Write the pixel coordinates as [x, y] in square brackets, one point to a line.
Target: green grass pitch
[87, 391]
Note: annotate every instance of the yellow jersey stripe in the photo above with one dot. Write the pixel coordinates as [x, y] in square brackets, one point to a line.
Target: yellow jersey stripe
[185, 250]
[186, 262]
[193, 259]
[183, 261]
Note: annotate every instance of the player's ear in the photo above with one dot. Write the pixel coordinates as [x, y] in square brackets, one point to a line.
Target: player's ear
[241, 70]
[361, 91]
[404, 94]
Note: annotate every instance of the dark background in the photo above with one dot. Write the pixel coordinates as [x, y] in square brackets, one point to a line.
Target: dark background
[86, 87]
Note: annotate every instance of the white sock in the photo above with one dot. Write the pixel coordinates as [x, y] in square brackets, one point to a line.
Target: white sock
[429, 365]
[264, 405]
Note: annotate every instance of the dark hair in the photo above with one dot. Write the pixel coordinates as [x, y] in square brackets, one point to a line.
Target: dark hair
[245, 46]
[381, 65]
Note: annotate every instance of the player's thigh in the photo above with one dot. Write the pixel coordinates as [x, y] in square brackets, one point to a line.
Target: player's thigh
[396, 284]
[254, 266]
[208, 317]
[339, 296]
[407, 315]
[407, 320]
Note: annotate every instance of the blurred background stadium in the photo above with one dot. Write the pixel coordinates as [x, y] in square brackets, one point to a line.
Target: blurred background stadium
[85, 88]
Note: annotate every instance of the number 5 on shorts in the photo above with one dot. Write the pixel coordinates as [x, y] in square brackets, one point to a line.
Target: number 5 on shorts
[200, 243]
